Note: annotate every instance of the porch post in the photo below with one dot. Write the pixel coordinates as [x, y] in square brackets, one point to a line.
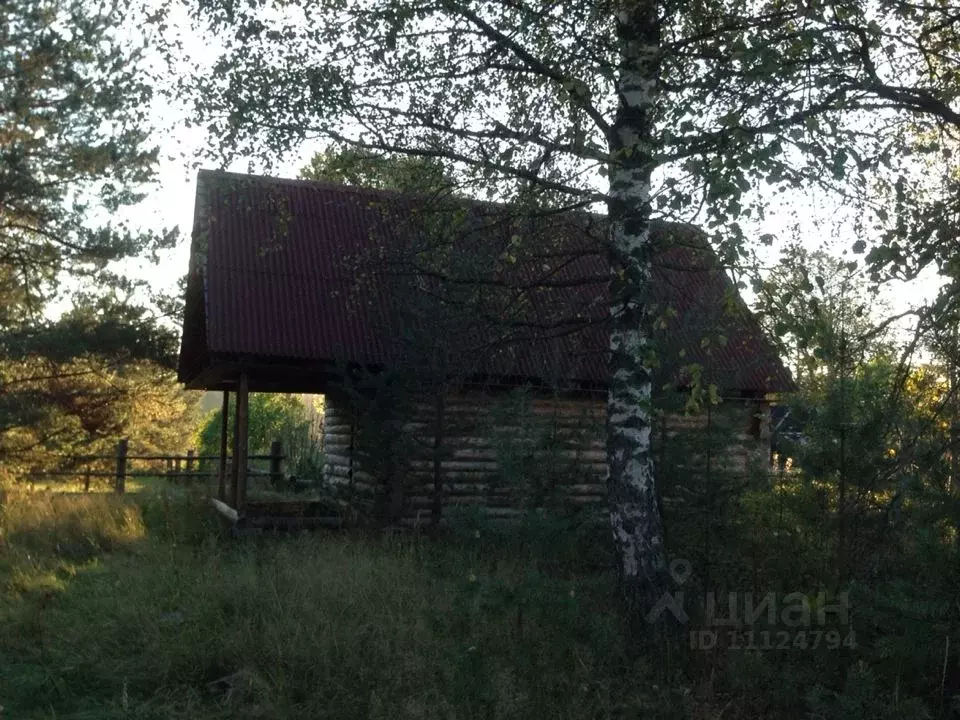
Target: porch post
[240, 445]
[222, 469]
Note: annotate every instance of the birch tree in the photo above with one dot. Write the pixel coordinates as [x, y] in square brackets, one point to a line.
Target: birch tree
[643, 108]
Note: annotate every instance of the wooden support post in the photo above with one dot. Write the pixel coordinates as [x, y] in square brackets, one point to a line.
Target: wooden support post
[243, 398]
[235, 455]
[240, 445]
[189, 470]
[955, 456]
[222, 470]
[86, 481]
[177, 472]
[276, 465]
[120, 485]
[439, 410]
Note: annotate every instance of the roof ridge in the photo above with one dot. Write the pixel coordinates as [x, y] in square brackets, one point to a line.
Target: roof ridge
[320, 185]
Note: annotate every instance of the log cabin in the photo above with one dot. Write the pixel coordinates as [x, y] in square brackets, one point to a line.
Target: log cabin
[460, 345]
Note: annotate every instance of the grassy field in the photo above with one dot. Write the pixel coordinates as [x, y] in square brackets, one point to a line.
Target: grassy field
[149, 484]
[138, 608]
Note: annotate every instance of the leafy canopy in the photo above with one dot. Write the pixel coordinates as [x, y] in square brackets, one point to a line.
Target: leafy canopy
[51, 410]
[749, 96]
[271, 416]
[378, 170]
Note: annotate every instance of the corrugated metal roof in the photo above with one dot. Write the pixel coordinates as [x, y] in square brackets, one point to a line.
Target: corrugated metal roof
[308, 271]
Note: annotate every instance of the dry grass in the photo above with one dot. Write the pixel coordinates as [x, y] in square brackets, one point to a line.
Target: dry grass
[67, 527]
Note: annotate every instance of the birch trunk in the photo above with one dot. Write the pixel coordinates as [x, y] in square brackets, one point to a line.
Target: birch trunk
[634, 508]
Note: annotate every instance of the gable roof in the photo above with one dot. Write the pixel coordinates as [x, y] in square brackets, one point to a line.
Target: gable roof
[301, 274]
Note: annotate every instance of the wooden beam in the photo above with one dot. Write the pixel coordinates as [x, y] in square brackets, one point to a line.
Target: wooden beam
[276, 465]
[222, 474]
[240, 444]
[224, 509]
[234, 463]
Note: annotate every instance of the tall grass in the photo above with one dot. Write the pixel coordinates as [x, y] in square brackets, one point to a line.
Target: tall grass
[152, 614]
[75, 528]
[141, 607]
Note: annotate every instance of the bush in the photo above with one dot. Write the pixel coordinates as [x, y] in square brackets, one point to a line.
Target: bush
[272, 416]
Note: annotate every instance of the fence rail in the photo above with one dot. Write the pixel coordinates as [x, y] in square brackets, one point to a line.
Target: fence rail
[178, 468]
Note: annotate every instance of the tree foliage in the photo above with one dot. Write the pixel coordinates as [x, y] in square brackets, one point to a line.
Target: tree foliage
[782, 93]
[52, 411]
[819, 310]
[271, 416]
[75, 153]
[73, 115]
[378, 170]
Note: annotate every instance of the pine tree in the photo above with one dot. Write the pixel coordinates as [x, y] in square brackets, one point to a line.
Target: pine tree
[75, 151]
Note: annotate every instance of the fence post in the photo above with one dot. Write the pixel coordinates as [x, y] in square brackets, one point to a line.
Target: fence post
[189, 475]
[276, 464]
[86, 481]
[240, 430]
[120, 485]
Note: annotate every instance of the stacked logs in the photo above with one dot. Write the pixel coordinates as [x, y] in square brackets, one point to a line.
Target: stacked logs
[499, 451]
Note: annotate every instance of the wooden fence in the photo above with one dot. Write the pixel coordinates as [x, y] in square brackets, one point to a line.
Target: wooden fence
[179, 469]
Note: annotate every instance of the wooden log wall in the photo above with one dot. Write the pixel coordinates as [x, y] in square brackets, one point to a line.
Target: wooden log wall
[735, 434]
[503, 451]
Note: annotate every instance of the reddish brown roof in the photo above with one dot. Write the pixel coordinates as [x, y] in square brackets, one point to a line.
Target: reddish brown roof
[303, 272]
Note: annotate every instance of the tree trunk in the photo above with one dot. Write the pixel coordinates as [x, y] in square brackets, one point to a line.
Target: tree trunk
[634, 508]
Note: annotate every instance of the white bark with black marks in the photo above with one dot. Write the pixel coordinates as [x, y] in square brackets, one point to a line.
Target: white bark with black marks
[634, 509]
